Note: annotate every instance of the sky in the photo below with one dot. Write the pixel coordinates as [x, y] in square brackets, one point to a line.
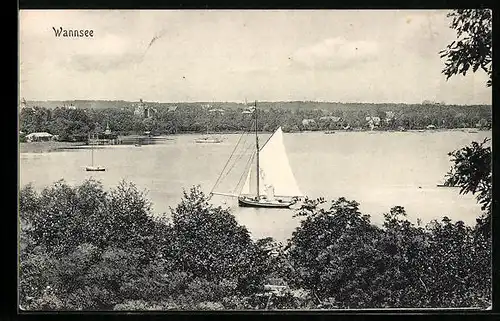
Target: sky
[232, 55]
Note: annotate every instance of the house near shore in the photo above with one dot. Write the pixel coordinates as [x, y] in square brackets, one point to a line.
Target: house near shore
[373, 121]
[71, 106]
[39, 137]
[389, 116]
[308, 122]
[430, 127]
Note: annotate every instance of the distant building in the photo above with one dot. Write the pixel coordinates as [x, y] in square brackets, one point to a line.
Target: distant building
[39, 137]
[107, 131]
[430, 102]
[307, 122]
[64, 106]
[431, 127]
[373, 121]
[23, 103]
[143, 111]
[389, 115]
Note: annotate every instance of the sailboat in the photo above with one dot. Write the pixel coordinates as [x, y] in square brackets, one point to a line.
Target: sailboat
[93, 168]
[271, 182]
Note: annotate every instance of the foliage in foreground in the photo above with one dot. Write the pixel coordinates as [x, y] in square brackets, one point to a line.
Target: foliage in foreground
[338, 255]
[473, 48]
[471, 171]
[83, 248]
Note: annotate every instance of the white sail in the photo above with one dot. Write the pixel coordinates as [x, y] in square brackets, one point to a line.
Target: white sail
[246, 187]
[250, 186]
[276, 176]
[275, 167]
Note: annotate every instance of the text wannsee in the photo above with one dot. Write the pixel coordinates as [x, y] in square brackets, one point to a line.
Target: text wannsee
[75, 33]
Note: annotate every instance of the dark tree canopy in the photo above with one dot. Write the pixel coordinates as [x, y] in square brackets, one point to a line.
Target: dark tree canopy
[473, 47]
[471, 171]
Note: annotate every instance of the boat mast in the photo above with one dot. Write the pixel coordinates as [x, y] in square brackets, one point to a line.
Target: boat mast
[257, 146]
[92, 148]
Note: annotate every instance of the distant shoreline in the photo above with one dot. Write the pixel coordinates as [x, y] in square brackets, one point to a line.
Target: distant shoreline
[51, 146]
[45, 147]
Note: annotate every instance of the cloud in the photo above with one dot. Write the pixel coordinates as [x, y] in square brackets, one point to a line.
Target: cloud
[424, 33]
[335, 53]
[103, 62]
[106, 53]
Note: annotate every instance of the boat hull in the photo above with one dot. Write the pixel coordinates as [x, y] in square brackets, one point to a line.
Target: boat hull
[247, 202]
[208, 141]
[95, 169]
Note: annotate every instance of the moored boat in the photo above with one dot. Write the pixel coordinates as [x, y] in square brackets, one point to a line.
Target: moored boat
[92, 167]
[208, 140]
[95, 169]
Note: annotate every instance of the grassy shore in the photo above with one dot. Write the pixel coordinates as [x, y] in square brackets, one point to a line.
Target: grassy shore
[44, 147]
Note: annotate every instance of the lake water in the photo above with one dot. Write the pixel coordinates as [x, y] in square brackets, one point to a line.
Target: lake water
[377, 169]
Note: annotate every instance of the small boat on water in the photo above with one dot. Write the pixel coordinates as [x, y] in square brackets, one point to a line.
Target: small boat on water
[270, 181]
[443, 185]
[208, 140]
[329, 132]
[93, 168]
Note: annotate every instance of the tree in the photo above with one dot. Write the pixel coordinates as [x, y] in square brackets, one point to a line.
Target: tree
[210, 244]
[345, 261]
[85, 248]
[473, 47]
[471, 171]
[472, 164]
[333, 253]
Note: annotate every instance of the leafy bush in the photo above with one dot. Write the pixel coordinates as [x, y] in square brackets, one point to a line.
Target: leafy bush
[341, 258]
[97, 250]
[471, 171]
[83, 248]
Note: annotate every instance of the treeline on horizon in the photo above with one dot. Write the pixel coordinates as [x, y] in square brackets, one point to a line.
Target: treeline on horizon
[72, 124]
